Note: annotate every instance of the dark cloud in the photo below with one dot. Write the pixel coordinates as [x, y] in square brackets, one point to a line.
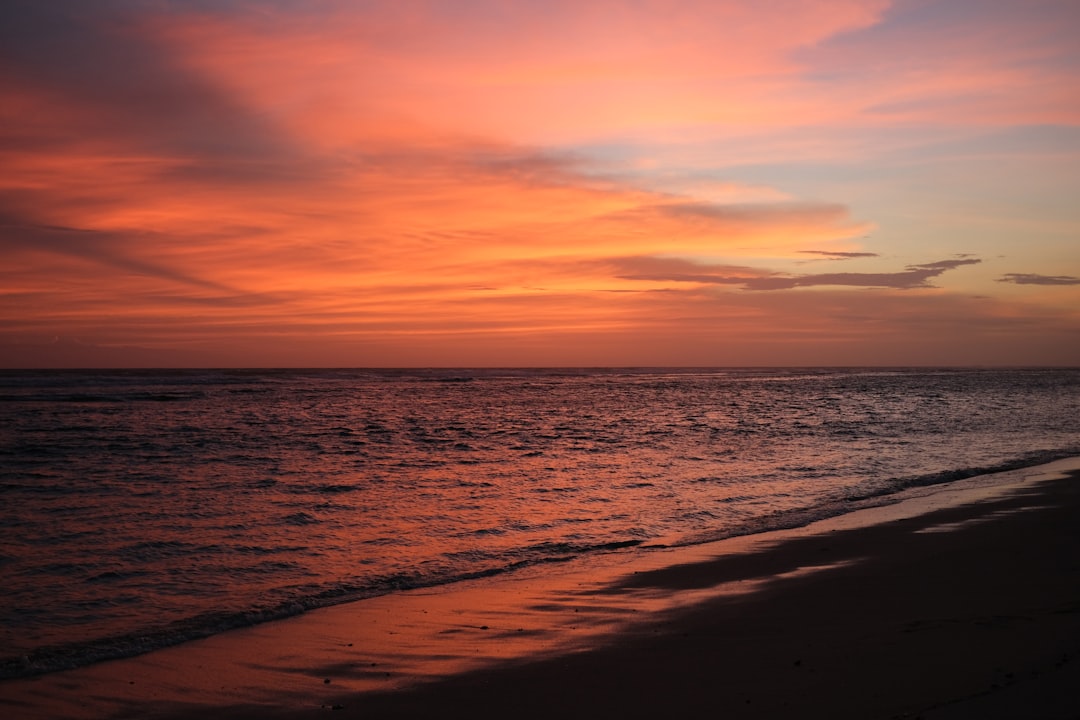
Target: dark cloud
[839, 255]
[907, 279]
[659, 269]
[943, 265]
[914, 276]
[108, 77]
[1035, 279]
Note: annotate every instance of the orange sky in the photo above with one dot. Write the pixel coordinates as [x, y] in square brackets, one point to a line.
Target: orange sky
[485, 183]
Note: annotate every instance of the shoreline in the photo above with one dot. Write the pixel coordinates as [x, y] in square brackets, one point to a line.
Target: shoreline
[61, 658]
[658, 620]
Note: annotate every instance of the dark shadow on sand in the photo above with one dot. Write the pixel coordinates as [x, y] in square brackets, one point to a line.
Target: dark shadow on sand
[970, 611]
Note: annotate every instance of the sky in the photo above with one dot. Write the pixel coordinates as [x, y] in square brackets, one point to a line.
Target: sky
[421, 183]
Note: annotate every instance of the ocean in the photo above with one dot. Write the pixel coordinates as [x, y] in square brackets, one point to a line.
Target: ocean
[140, 509]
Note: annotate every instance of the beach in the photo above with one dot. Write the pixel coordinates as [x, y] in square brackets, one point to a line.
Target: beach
[530, 359]
[956, 601]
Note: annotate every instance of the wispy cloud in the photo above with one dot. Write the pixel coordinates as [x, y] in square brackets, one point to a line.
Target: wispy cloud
[836, 255]
[106, 250]
[914, 276]
[1035, 279]
[942, 265]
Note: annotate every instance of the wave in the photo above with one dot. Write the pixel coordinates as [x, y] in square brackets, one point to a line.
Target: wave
[880, 492]
[77, 654]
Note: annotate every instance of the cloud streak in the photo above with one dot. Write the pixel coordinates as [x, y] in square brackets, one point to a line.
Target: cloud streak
[96, 247]
[915, 276]
[1035, 279]
[836, 255]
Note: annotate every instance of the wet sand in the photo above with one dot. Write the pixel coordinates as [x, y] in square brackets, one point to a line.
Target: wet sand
[960, 601]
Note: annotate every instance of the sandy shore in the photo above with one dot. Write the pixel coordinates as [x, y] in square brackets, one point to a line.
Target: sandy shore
[960, 601]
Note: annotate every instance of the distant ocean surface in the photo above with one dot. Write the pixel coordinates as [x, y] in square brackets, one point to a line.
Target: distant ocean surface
[143, 508]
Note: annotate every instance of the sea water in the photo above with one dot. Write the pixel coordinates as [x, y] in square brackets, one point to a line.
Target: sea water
[144, 508]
